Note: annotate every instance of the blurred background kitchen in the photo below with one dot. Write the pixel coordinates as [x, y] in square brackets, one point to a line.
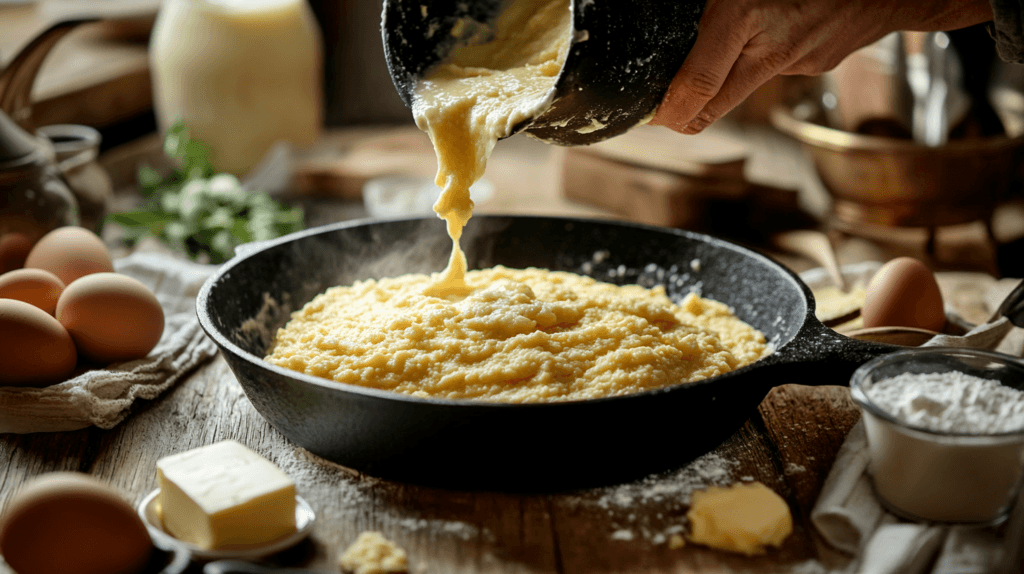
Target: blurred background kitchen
[888, 155]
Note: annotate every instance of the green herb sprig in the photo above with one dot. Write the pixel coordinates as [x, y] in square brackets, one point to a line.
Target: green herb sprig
[200, 212]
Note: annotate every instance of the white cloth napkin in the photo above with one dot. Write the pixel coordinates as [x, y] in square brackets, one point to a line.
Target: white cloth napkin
[103, 397]
[849, 516]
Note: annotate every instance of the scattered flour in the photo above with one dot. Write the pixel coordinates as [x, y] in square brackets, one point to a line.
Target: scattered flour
[950, 402]
[622, 534]
[809, 567]
[710, 469]
[461, 530]
[794, 468]
[651, 509]
[305, 468]
[351, 490]
[654, 508]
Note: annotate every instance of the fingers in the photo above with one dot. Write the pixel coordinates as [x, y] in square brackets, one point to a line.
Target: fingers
[703, 72]
[747, 74]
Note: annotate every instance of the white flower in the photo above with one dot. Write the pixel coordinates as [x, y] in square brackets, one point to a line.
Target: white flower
[192, 198]
[226, 188]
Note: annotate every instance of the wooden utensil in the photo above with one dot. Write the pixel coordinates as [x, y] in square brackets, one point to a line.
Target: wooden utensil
[902, 336]
[816, 246]
[1012, 308]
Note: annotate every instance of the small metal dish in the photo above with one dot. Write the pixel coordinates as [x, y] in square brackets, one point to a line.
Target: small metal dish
[167, 559]
[150, 513]
[927, 475]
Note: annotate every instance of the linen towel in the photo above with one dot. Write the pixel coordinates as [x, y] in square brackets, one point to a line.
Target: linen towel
[103, 397]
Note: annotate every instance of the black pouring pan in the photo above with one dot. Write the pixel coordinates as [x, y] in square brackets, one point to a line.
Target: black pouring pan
[622, 57]
[471, 444]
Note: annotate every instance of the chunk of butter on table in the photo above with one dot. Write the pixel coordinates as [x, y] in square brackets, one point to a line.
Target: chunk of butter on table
[225, 495]
[743, 518]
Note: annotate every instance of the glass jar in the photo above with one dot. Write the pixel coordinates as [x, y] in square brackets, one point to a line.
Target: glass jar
[929, 475]
[76, 149]
[242, 74]
[35, 198]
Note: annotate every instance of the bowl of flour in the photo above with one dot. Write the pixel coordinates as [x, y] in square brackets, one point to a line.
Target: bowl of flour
[945, 430]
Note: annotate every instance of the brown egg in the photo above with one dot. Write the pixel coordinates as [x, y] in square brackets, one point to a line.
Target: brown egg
[33, 286]
[35, 350]
[71, 523]
[14, 248]
[111, 317]
[904, 293]
[70, 253]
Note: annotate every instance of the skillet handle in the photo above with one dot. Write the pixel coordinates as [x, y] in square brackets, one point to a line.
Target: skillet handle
[820, 356]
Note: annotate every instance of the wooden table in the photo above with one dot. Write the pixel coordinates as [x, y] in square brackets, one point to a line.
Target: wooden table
[789, 444]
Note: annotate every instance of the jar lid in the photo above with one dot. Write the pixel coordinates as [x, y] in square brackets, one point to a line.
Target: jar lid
[15, 143]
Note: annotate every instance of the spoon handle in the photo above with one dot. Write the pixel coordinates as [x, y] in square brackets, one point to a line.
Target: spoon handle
[1012, 306]
[242, 567]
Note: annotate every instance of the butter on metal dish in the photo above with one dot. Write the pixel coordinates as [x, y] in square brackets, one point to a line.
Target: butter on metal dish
[225, 495]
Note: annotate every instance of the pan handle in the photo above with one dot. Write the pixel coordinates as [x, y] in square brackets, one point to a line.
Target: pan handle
[820, 356]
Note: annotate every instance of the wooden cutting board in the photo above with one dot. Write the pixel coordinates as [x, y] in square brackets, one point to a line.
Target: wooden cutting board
[656, 176]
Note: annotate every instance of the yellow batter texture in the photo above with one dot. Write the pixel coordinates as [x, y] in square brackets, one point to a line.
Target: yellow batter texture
[521, 336]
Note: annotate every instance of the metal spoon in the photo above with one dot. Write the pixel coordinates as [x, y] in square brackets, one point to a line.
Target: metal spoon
[931, 103]
[623, 55]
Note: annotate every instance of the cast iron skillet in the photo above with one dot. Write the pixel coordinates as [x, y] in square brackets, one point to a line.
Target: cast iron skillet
[519, 447]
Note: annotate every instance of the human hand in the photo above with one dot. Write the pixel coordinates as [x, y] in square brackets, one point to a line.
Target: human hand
[741, 44]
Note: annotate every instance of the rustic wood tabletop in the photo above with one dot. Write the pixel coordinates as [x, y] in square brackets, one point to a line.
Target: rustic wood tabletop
[789, 444]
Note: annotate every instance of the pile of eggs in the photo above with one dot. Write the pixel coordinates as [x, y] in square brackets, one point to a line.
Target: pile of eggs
[62, 306]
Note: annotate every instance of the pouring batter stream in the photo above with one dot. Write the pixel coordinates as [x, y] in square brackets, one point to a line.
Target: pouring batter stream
[477, 96]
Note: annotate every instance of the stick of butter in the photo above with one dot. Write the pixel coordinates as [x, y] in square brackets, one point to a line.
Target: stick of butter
[225, 495]
[742, 518]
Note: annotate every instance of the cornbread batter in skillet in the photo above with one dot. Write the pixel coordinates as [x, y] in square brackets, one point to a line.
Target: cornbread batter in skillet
[500, 334]
[520, 336]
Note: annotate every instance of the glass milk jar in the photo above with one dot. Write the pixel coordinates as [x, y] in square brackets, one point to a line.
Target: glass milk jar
[242, 74]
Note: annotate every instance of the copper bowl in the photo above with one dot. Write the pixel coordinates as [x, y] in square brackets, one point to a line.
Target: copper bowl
[899, 183]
